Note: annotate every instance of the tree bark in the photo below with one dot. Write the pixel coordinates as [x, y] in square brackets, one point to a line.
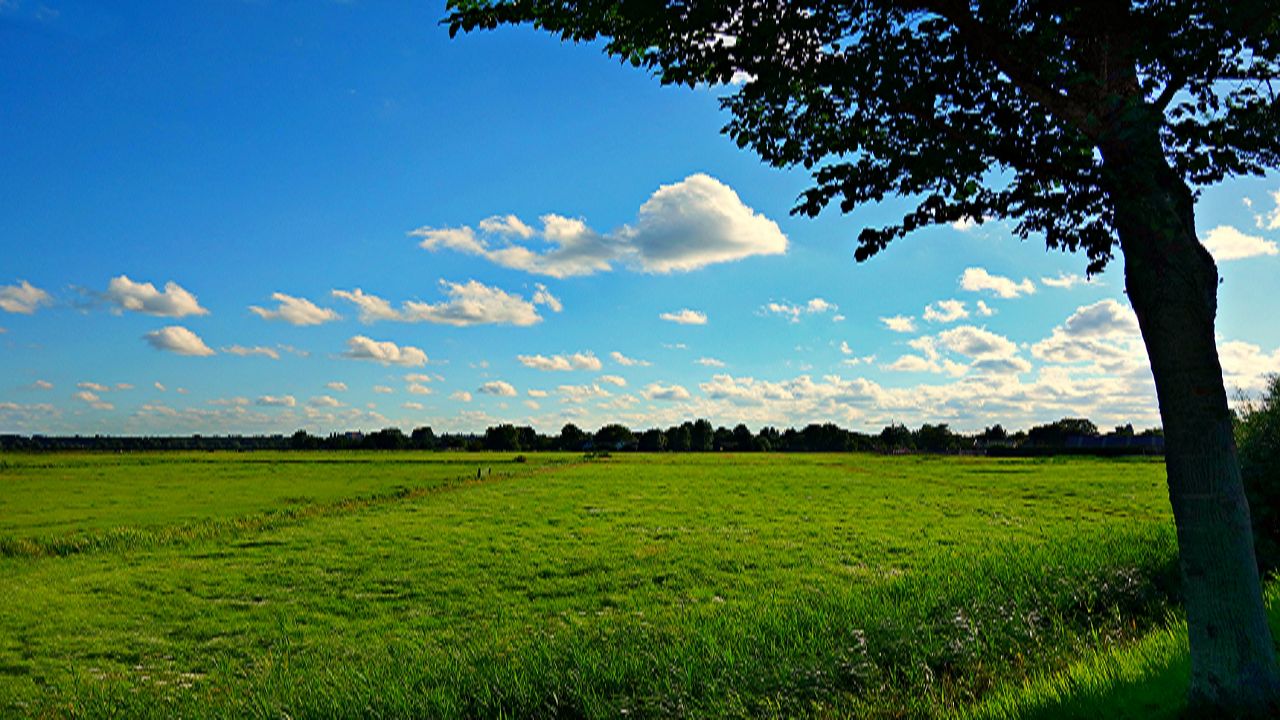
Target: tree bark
[1172, 283]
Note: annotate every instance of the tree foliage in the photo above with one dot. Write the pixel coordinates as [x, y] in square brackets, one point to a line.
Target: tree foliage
[978, 109]
[1258, 437]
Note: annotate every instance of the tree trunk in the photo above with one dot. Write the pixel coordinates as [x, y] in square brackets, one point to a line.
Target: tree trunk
[1172, 284]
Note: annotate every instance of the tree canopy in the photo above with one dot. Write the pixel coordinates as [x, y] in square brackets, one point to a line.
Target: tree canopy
[987, 109]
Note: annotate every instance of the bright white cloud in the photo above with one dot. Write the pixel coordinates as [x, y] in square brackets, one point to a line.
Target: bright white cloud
[685, 317]
[710, 362]
[461, 396]
[945, 311]
[1065, 281]
[179, 340]
[497, 387]
[985, 310]
[23, 298]
[900, 323]
[414, 388]
[174, 301]
[469, 303]
[1245, 366]
[974, 342]
[276, 401]
[1227, 243]
[324, 401]
[793, 312]
[616, 380]
[574, 394]
[696, 222]
[95, 387]
[336, 386]
[383, 389]
[413, 406]
[295, 311]
[561, 363]
[258, 350]
[93, 400]
[977, 279]
[625, 361]
[42, 385]
[385, 352]
[1271, 221]
[543, 296]
[658, 391]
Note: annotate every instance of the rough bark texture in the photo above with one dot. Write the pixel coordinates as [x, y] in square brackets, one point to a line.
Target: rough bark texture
[1172, 284]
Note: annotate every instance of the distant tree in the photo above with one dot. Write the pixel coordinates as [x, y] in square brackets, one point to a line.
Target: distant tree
[680, 438]
[895, 437]
[701, 436]
[614, 437]
[422, 438]
[653, 440]
[722, 439]
[1125, 430]
[571, 438]
[502, 437]
[742, 438]
[300, 440]
[935, 438]
[769, 439]
[1258, 436]
[386, 439]
[1055, 434]
[529, 438]
[1088, 123]
[994, 433]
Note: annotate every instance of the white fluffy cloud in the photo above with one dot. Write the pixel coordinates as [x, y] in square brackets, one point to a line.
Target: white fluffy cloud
[276, 401]
[561, 363]
[977, 279]
[336, 386]
[258, 350]
[385, 352]
[1065, 281]
[1227, 243]
[696, 222]
[793, 312]
[900, 323]
[685, 317]
[574, 394]
[658, 391]
[461, 396]
[616, 380]
[543, 296]
[625, 361]
[469, 303]
[497, 387]
[23, 298]
[324, 401]
[179, 340]
[174, 301]
[710, 362]
[1245, 366]
[93, 400]
[295, 311]
[945, 311]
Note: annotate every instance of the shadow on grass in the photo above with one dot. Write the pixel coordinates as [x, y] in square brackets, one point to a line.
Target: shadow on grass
[1144, 680]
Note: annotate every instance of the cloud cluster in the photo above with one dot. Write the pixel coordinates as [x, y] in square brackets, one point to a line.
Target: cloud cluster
[23, 298]
[386, 352]
[469, 303]
[179, 340]
[174, 301]
[900, 323]
[816, 306]
[945, 311]
[295, 311]
[1226, 243]
[497, 387]
[685, 317]
[976, 279]
[625, 361]
[561, 363]
[696, 222]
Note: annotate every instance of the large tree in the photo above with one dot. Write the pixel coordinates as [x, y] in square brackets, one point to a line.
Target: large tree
[1085, 123]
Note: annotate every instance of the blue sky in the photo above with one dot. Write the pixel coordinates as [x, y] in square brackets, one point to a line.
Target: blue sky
[170, 166]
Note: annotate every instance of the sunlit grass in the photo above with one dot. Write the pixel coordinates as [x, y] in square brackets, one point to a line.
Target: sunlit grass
[752, 585]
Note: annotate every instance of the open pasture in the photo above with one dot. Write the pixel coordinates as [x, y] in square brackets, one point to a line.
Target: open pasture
[391, 585]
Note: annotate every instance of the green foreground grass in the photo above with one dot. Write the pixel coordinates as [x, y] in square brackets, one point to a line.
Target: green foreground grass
[370, 585]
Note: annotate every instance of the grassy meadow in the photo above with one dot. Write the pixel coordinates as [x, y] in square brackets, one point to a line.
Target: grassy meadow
[471, 585]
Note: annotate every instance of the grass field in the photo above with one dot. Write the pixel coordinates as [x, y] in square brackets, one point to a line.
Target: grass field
[391, 585]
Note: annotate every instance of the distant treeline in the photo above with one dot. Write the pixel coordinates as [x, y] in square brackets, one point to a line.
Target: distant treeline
[1069, 435]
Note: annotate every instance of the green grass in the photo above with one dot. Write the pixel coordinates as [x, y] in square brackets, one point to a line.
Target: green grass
[749, 585]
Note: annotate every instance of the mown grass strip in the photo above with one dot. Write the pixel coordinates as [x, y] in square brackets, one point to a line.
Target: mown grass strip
[138, 538]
